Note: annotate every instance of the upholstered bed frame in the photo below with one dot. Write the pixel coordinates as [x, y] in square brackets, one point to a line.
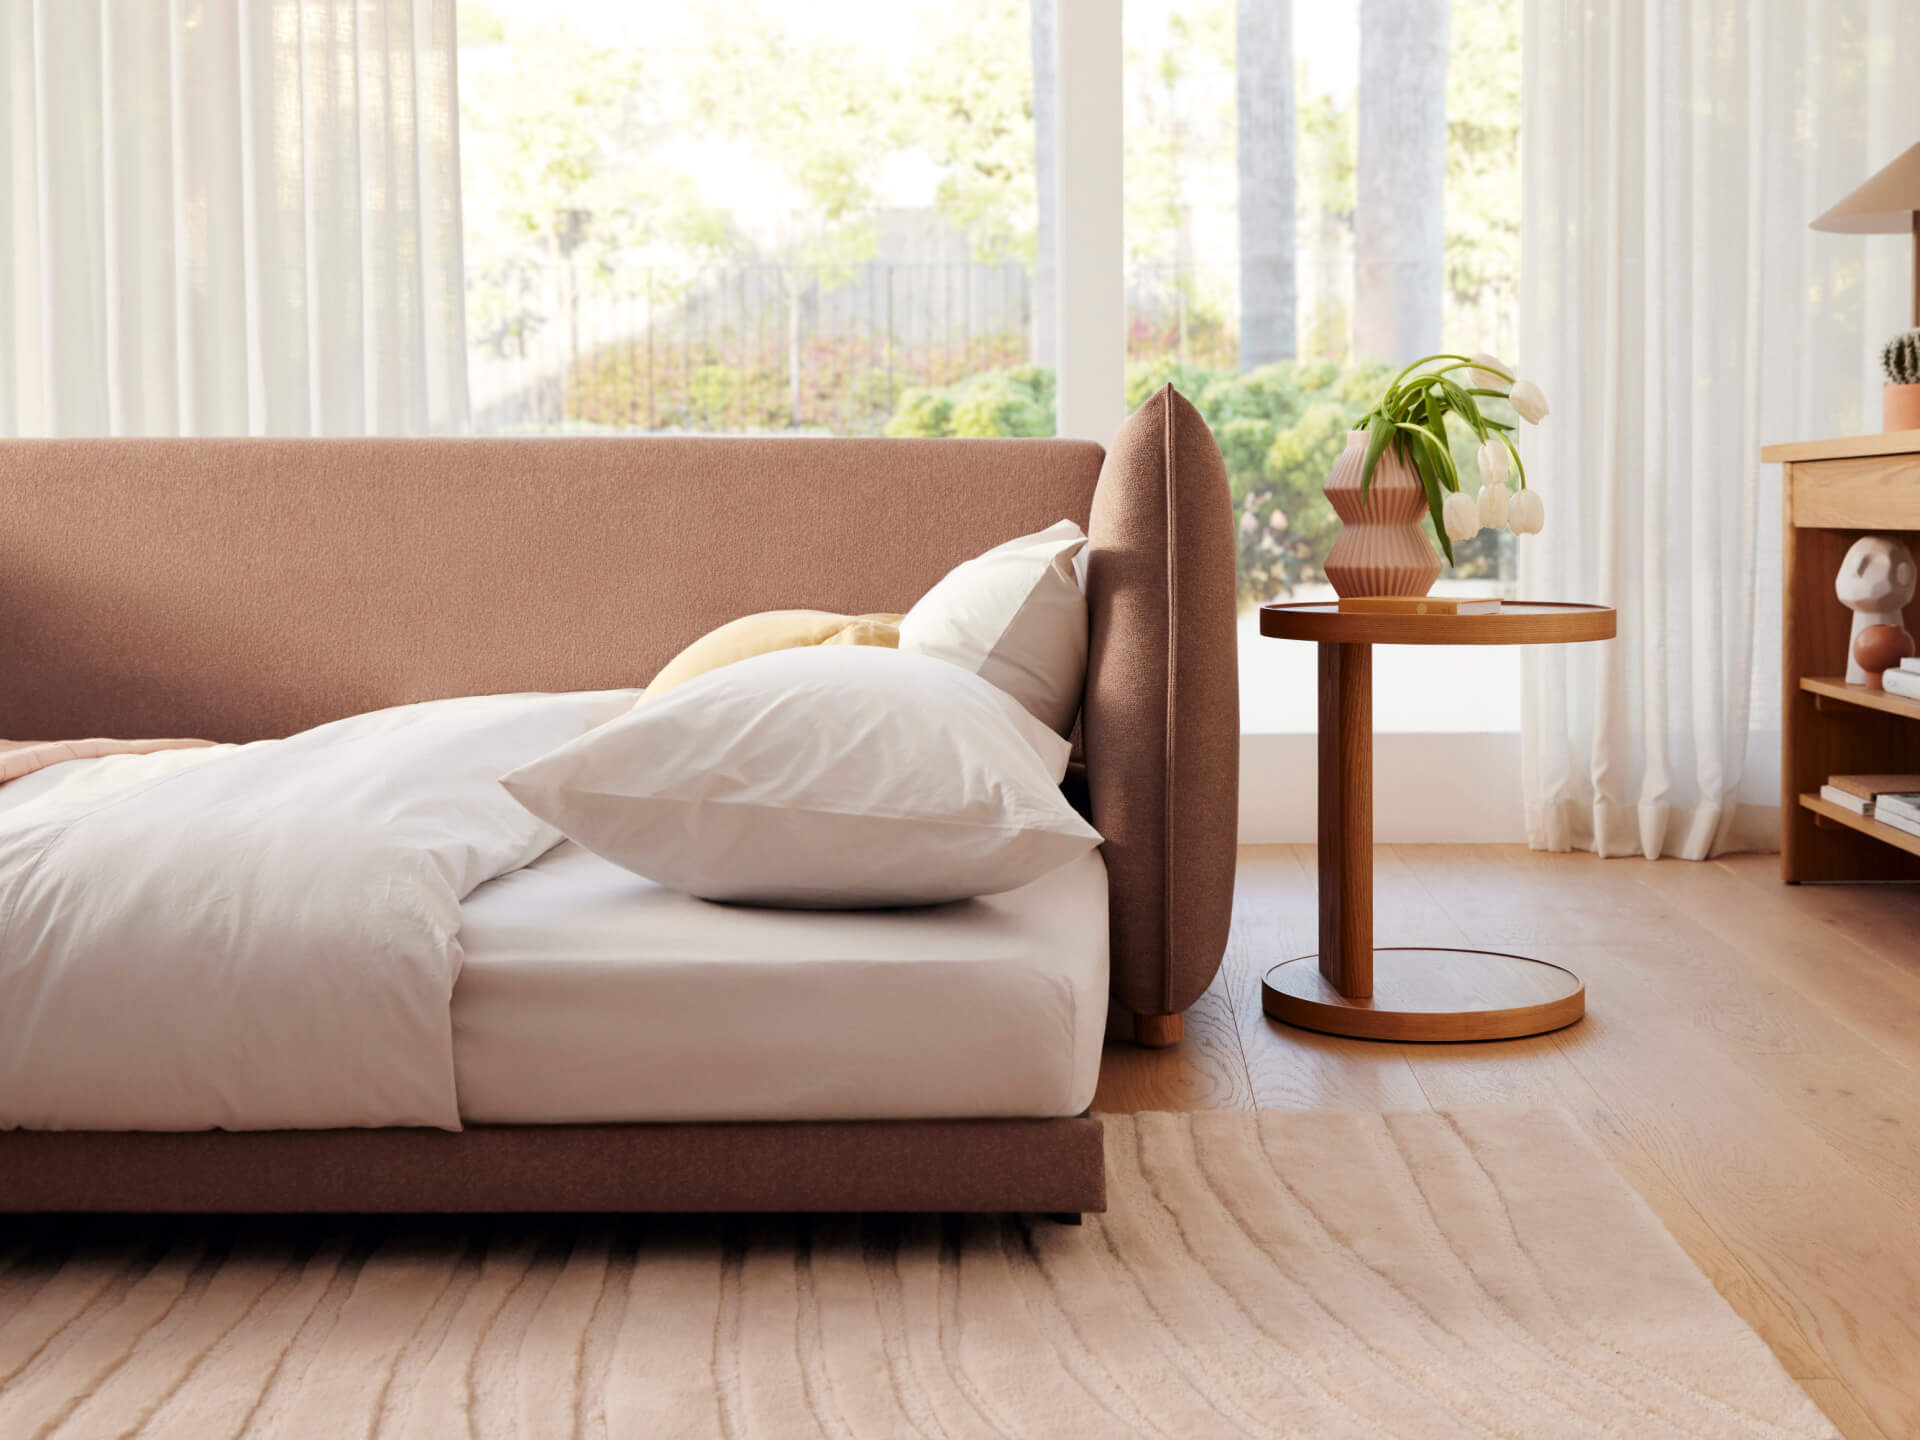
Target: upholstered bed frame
[240, 589]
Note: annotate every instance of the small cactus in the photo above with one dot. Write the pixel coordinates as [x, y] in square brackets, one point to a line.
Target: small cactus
[1901, 359]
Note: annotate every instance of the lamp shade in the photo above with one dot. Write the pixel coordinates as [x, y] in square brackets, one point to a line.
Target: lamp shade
[1885, 205]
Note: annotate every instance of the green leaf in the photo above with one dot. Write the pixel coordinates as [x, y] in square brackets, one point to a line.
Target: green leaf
[1437, 425]
[1462, 405]
[1434, 506]
[1379, 432]
[1433, 486]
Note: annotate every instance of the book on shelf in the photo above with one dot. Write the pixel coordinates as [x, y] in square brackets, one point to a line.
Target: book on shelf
[1912, 662]
[1905, 683]
[1418, 605]
[1905, 824]
[1834, 795]
[1896, 804]
[1861, 793]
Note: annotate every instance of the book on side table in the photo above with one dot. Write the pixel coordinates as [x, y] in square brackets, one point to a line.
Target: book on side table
[1418, 605]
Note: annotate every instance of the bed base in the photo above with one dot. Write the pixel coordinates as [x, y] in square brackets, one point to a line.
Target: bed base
[1042, 1166]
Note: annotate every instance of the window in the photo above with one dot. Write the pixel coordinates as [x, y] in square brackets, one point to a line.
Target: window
[751, 217]
[837, 218]
[1242, 258]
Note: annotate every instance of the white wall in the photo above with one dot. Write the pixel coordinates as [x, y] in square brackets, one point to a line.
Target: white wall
[1461, 789]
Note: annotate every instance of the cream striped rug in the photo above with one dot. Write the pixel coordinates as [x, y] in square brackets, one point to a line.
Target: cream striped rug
[1301, 1274]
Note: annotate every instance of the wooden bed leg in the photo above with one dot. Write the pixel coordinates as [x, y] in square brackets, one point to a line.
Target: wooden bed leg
[1156, 1032]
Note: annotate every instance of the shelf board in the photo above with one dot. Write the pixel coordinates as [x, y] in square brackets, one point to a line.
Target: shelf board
[1899, 839]
[1844, 447]
[1836, 688]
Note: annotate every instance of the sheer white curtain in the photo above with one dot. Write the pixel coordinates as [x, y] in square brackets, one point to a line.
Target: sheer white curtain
[229, 217]
[1680, 314]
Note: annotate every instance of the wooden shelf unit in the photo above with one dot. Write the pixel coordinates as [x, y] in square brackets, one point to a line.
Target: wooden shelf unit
[1833, 493]
[1835, 688]
[1840, 815]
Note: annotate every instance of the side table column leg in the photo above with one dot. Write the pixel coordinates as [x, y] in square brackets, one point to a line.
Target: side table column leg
[1346, 818]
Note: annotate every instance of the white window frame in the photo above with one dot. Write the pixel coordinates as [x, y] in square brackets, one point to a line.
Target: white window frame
[1091, 293]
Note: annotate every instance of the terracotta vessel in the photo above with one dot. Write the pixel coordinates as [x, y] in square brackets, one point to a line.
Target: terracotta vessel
[1382, 548]
[1900, 407]
[1878, 648]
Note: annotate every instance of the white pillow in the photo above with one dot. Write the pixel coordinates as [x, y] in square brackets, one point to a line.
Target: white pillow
[1015, 616]
[829, 778]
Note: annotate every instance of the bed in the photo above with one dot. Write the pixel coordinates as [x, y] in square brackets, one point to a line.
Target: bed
[618, 1046]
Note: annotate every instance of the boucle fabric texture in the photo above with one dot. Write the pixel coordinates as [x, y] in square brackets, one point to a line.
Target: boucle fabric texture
[1311, 1274]
[706, 1166]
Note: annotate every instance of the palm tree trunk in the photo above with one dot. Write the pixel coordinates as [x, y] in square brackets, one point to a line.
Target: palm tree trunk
[1266, 150]
[1399, 239]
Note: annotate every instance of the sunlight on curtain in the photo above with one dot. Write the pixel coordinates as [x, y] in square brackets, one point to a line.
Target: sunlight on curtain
[1680, 314]
[230, 217]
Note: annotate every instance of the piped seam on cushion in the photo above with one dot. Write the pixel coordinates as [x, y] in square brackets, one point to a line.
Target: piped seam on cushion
[1173, 672]
[1038, 821]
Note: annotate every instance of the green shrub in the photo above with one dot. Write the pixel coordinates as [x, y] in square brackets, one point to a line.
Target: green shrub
[995, 402]
[923, 413]
[1280, 427]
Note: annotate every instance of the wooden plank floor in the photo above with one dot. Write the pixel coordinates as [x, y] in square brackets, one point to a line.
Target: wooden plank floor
[1750, 1062]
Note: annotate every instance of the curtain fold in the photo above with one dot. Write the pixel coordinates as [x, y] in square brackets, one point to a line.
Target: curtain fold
[1679, 314]
[230, 217]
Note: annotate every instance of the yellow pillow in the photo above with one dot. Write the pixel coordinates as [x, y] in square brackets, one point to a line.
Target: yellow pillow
[752, 635]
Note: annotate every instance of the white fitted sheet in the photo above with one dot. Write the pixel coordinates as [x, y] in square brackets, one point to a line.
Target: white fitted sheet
[590, 994]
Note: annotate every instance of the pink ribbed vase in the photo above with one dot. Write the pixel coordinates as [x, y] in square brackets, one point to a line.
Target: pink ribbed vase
[1382, 548]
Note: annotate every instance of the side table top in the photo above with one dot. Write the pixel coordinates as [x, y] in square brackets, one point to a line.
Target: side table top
[1517, 622]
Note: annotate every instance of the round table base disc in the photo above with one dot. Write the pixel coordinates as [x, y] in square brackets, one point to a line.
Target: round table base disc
[1430, 994]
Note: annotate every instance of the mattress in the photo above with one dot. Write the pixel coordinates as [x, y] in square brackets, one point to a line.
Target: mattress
[590, 994]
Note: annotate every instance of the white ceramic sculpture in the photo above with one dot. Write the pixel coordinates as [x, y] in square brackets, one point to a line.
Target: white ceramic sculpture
[1876, 582]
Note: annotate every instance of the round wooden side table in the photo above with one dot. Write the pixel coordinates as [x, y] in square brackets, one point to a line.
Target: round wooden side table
[1406, 993]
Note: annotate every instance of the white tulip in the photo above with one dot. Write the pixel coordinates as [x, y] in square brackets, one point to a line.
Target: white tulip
[1492, 458]
[1490, 372]
[1528, 400]
[1494, 500]
[1460, 516]
[1527, 514]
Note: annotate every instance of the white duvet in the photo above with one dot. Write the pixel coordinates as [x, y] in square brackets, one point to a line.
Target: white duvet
[261, 936]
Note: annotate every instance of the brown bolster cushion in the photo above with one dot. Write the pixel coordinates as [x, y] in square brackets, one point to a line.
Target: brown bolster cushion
[1161, 718]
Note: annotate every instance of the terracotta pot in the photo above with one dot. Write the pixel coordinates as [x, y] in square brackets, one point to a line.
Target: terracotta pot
[1382, 548]
[1900, 407]
[1878, 648]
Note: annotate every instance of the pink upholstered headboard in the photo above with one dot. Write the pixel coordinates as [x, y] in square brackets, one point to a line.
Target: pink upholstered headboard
[239, 589]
